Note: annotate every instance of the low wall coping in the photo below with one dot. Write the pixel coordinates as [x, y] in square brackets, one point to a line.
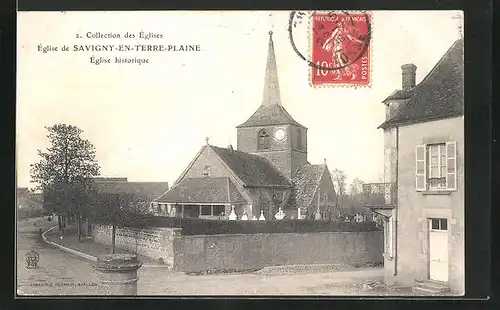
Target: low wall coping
[261, 234]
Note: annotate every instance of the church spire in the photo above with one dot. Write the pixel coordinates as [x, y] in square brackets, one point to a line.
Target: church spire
[271, 84]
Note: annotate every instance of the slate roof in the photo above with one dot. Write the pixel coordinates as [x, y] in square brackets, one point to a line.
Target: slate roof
[203, 190]
[150, 190]
[22, 191]
[305, 181]
[399, 94]
[270, 114]
[439, 95]
[253, 170]
[24, 196]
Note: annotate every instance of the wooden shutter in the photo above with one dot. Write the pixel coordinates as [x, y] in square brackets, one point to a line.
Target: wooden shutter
[451, 165]
[420, 168]
[390, 231]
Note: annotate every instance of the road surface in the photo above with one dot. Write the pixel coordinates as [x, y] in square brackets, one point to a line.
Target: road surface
[60, 273]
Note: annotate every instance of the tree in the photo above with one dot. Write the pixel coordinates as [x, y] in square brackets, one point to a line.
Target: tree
[118, 210]
[355, 197]
[356, 187]
[339, 178]
[65, 170]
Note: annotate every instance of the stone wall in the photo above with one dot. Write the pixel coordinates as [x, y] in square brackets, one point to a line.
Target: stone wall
[255, 251]
[154, 243]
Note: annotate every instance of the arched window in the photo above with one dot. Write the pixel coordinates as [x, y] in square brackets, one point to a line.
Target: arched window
[264, 140]
[299, 139]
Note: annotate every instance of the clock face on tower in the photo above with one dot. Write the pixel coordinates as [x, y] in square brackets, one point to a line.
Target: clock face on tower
[279, 134]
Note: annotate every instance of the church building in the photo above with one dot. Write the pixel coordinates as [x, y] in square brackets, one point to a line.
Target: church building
[267, 172]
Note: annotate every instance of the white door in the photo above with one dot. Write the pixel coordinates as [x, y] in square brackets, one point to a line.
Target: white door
[438, 249]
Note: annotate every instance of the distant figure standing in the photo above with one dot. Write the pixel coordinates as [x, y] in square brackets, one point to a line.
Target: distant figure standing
[244, 217]
[261, 217]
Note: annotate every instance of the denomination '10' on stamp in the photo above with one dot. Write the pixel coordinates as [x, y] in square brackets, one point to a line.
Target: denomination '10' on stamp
[340, 49]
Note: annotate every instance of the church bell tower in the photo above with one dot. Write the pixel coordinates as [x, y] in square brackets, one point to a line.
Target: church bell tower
[271, 132]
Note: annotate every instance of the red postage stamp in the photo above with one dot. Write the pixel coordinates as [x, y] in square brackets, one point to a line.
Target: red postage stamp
[340, 49]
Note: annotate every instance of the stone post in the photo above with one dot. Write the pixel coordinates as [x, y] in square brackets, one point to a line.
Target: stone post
[117, 274]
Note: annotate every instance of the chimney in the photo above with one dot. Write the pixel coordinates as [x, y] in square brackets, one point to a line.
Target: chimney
[409, 76]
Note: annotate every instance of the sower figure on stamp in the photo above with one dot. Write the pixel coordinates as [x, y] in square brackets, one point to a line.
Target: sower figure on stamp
[335, 44]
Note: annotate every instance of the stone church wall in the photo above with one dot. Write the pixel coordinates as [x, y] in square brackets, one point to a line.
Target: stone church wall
[282, 154]
[206, 163]
[327, 204]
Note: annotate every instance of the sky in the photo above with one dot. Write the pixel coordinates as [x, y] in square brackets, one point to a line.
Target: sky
[148, 121]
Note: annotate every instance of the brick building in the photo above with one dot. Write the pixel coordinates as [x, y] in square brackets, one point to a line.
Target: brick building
[268, 170]
[423, 197]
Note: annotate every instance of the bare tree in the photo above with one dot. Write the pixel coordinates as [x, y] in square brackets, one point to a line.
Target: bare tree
[356, 197]
[356, 187]
[339, 178]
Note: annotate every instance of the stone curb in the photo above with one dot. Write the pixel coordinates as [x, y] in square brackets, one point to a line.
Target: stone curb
[84, 255]
[304, 268]
[65, 249]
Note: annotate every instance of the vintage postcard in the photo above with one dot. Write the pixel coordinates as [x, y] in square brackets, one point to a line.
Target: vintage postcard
[245, 153]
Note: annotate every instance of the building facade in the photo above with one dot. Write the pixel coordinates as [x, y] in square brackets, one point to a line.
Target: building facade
[422, 198]
[267, 172]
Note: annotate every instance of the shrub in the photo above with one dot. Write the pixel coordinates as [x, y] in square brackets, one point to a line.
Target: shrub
[214, 227]
[29, 212]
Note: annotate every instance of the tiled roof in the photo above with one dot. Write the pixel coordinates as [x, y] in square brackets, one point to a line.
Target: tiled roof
[270, 114]
[22, 191]
[399, 94]
[439, 95]
[110, 179]
[203, 190]
[35, 198]
[253, 170]
[305, 181]
[150, 190]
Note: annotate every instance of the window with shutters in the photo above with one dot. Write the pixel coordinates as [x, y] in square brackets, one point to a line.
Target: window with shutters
[436, 166]
[388, 236]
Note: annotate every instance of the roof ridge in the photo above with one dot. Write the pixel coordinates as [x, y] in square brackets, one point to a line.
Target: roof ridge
[432, 92]
[446, 54]
[409, 92]
[317, 184]
[190, 164]
[37, 203]
[225, 164]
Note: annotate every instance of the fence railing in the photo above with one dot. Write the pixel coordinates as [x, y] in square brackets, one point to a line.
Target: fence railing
[380, 194]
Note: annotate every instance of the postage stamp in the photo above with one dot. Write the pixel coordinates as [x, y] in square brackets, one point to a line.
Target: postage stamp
[340, 49]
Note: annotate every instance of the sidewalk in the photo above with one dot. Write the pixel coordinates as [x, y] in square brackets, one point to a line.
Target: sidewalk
[90, 250]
